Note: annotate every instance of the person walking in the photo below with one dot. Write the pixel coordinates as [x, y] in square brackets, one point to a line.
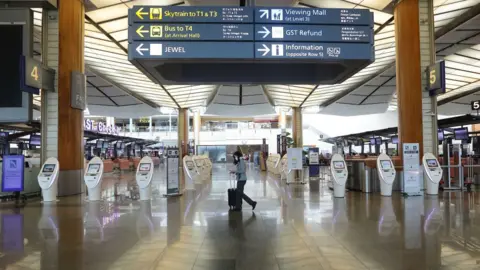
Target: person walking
[241, 175]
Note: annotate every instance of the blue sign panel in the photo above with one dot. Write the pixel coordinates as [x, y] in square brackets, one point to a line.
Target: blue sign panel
[314, 51]
[12, 173]
[314, 16]
[436, 78]
[233, 32]
[318, 33]
[190, 50]
[158, 14]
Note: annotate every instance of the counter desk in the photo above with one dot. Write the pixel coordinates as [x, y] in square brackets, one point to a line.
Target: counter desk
[363, 175]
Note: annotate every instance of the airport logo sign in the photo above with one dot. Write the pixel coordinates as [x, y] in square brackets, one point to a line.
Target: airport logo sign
[100, 127]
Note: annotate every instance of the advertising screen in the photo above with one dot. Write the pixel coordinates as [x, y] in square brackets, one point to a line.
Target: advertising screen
[372, 141]
[3, 138]
[340, 165]
[378, 140]
[441, 135]
[105, 145]
[93, 168]
[386, 164]
[48, 168]
[432, 163]
[460, 134]
[394, 139]
[144, 167]
[99, 144]
[35, 140]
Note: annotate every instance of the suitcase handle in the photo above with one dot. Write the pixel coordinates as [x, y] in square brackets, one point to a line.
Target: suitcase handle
[233, 177]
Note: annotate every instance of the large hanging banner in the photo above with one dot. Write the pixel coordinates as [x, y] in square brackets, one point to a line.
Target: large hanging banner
[411, 169]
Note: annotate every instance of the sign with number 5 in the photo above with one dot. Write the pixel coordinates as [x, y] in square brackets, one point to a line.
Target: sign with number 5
[475, 105]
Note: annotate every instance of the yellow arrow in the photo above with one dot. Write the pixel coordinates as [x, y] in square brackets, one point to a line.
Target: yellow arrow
[140, 13]
[140, 31]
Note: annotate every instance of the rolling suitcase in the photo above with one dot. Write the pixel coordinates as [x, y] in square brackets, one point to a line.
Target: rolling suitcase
[232, 192]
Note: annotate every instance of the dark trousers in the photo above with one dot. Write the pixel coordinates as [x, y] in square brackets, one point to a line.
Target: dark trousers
[241, 195]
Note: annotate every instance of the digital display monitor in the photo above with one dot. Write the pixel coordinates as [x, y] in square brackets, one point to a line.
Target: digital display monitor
[394, 139]
[120, 145]
[189, 164]
[93, 168]
[48, 168]
[372, 141]
[99, 144]
[441, 135]
[460, 134]
[144, 167]
[339, 165]
[35, 140]
[105, 145]
[378, 140]
[432, 163]
[3, 138]
[386, 164]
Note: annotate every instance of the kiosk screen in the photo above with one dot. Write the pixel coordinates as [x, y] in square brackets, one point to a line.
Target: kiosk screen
[189, 164]
[199, 162]
[144, 167]
[48, 168]
[339, 165]
[386, 165]
[432, 163]
[93, 168]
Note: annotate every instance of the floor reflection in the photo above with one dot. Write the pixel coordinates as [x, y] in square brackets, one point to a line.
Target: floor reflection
[293, 227]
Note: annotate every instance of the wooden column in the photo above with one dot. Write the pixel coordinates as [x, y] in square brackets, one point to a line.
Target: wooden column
[409, 80]
[297, 127]
[182, 143]
[71, 20]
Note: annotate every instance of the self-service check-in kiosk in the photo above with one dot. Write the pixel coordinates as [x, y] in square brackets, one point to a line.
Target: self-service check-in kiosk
[93, 179]
[193, 177]
[339, 172]
[386, 174]
[47, 179]
[434, 173]
[144, 178]
[201, 167]
[283, 167]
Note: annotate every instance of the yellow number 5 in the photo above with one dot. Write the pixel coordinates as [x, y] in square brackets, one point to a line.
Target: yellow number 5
[34, 73]
[433, 76]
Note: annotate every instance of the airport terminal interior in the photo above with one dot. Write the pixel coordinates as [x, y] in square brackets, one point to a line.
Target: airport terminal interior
[240, 134]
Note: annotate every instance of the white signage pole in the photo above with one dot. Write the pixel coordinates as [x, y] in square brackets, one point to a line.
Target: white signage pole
[411, 169]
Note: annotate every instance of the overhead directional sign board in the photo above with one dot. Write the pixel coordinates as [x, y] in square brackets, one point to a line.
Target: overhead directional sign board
[318, 33]
[191, 32]
[141, 14]
[314, 16]
[224, 41]
[191, 50]
[312, 50]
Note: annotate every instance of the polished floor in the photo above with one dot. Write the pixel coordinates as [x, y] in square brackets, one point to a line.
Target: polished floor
[293, 227]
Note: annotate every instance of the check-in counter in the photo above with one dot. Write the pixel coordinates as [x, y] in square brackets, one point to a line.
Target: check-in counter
[135, 161]
[123, 164]
[156, 161]
[107, 166]
[363, 175]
